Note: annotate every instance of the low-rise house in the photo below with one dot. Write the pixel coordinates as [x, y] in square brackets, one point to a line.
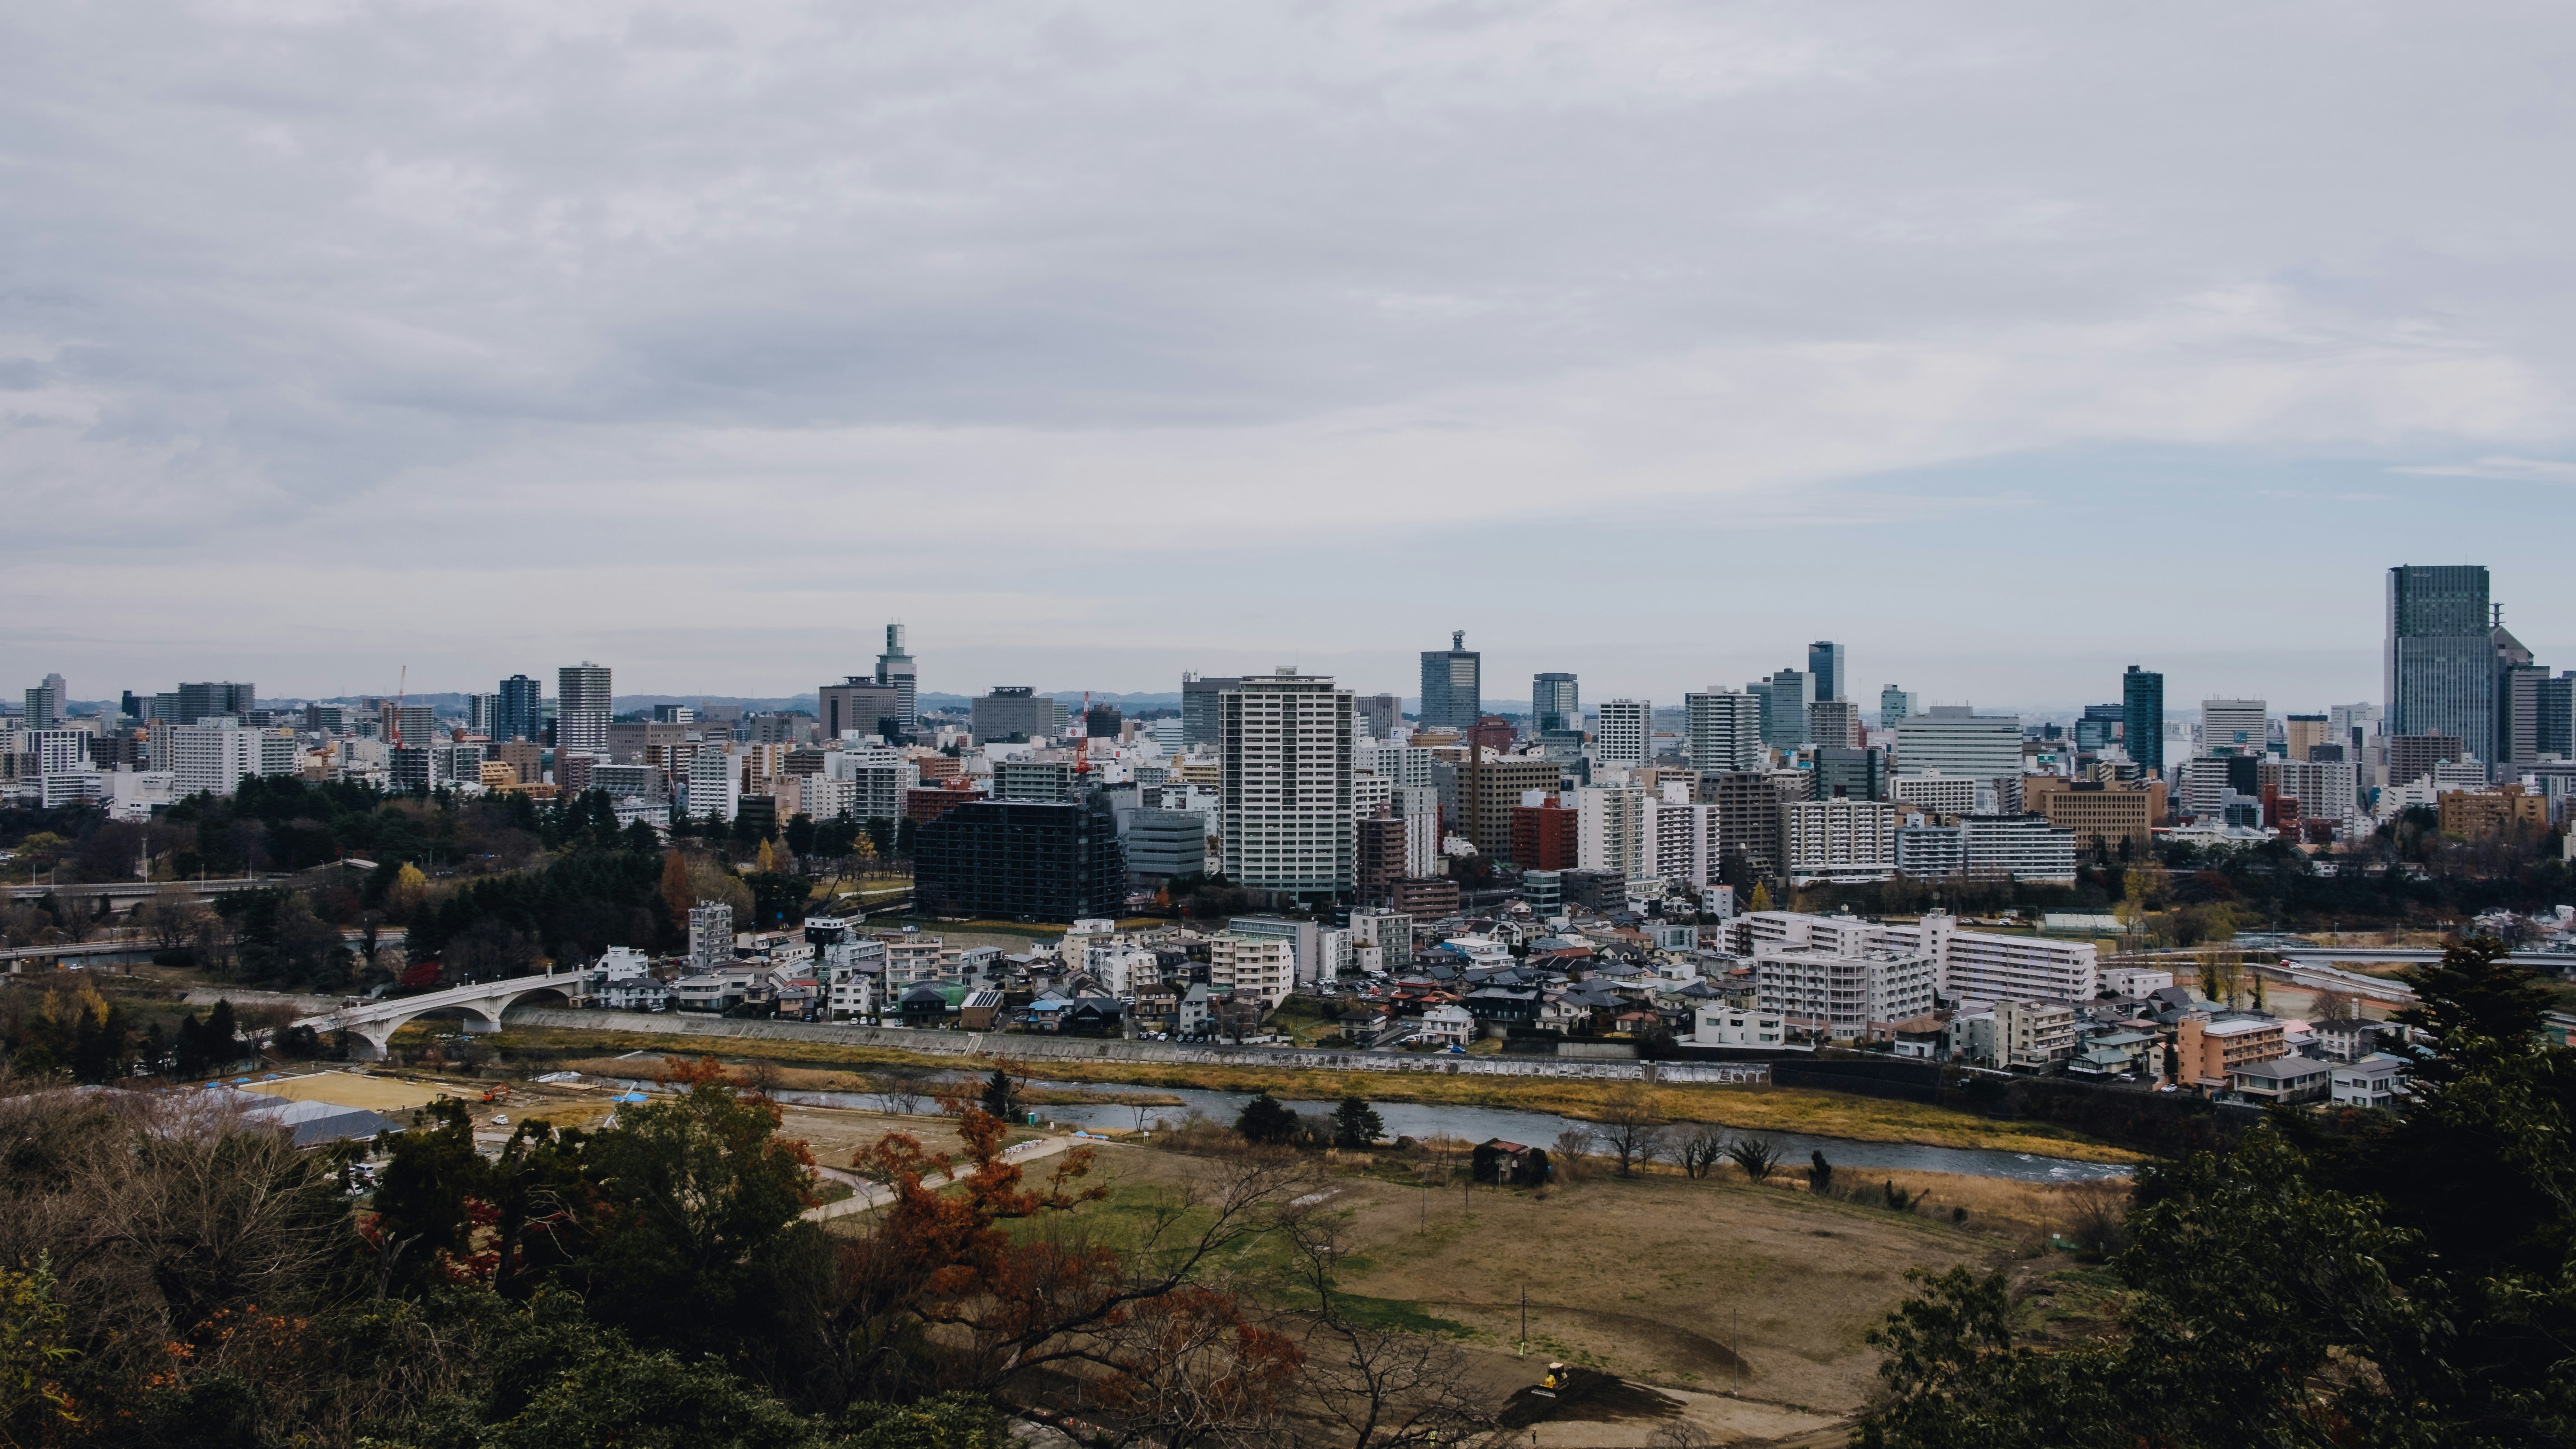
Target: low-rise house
[2374, 1080]
[1495, 1007]
[1195, 1013]
[1919, 1037]
[2112, 1054]
[2282, 1079]
[931, 1003]
[981, 1010]
[2345, 1038]
[1093, 1016]
[1495, 1160]
[1721, 1025]
[2212, 1049]
[1446, 1025]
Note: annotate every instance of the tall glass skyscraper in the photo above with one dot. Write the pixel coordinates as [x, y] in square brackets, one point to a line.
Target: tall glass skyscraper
[522, 712]
[1556, 703]
[1452, 685]
[2441, 653]
[2142, 696]
[1825, 661]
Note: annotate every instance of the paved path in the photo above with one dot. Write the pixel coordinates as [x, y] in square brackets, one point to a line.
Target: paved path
[870, 1195]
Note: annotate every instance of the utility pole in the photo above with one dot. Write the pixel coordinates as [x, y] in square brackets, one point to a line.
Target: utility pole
[1735, 1346]
[1524, 1320]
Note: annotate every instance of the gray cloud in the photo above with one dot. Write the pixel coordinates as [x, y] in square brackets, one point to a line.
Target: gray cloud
[497, 334]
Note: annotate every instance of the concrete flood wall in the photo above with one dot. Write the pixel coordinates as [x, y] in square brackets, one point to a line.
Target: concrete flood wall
[1037, 1050]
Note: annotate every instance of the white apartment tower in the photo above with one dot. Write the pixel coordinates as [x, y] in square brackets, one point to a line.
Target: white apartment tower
[1284, 758]
[1610, 830]
[1623, 731]
[1722, 730]
[581, 707]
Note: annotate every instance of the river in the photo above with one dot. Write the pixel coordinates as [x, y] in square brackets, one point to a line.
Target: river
[1425, 1119]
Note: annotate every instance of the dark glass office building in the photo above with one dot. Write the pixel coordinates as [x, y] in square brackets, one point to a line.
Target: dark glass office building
[2142, 697]
[1021, 860]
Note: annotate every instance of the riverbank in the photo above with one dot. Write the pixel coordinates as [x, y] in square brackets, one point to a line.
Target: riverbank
[1752, 1109]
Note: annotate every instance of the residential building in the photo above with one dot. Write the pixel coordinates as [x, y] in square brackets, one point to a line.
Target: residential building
[879, 780]
[710, 935]
[1979, 966]
[1748, 820]
[2142, 698]
[1375, 716]
[582, 707]
[1489, 788]
[1452, 685]
[211, 759]
[1683, 838]
[45, 704]
[2325, 789]
[2488, 814]
[2234, 727]
[1953, 739]
[1838, 840]
[1846, 995]
[2283, 1079]
[1556, 703]
[1445, 1026]
[1610, 830]
[2210, 1051]
[1834, 724]
[1033, 780]
[2017, 847]
[2033, 1036]
[2301, 733]
[520, 713]
[1720, 1025]
[1425, 898]
[1623, 732]
[1546, 834]
[2411, 757]
[2374, 1081]
[1259, 966]
[2439, 662]
[1825, 666]
[1930, 852]
[1284, 749]
[712, 787]
[1021, 860]
[1722, 730]
[1015, 712]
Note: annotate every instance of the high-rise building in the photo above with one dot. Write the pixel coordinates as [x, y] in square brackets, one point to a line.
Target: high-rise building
[2234, 727]
[1838, 840]
[45, 704]
[1489, 790]
[1953, 739]
[1894, 704]
[1022, 860]
[2517, 704]
[2099, 725]
[1833, 723]
[1785, 697]
[522, 715]
[1850, 773]
[1825, 662]
[1556, 703]
[1284, 754]
[482, 711]
[1376, 715]
[865, 706]
[225, 700]
[414, 726]
[1624, 733]
[1610, 831]
[896, 670]
[1722, 730]
[1199, 707]
[2554, 717]
[1748, 819]
[2142, 696]
[1452, 685]
[2301, 733]
[2412, 757]
[710, 935]
[582, 707]
[1014, 712]
[2439, 664]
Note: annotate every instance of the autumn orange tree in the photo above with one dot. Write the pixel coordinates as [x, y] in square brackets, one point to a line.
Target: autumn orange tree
[974, 1275]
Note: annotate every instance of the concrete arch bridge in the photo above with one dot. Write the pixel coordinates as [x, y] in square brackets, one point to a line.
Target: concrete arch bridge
[371, 1024]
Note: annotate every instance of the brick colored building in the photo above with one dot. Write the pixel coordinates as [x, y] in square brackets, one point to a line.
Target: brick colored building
[2484, 814]
[1545, 837]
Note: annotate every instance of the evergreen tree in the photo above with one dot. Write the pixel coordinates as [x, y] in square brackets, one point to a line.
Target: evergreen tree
[1001, 1097]
[1356, 1123]
[1266, 1120]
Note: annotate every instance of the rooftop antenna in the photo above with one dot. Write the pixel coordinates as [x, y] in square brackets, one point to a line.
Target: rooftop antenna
[402, 691]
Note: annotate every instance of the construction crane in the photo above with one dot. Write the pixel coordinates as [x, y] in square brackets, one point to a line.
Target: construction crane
[402, 691]
[1082, 745]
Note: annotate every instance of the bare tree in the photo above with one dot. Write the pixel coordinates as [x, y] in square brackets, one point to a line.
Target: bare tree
[1679, 1434]
[1379, 1389]
[1758, 1156]
[1702, 1150]
[1574, 1149]
[1632, 1126]
[2334, 1006]
[902, 1089]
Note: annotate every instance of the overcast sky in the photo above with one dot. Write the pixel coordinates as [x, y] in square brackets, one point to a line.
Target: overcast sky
[2009, 344]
